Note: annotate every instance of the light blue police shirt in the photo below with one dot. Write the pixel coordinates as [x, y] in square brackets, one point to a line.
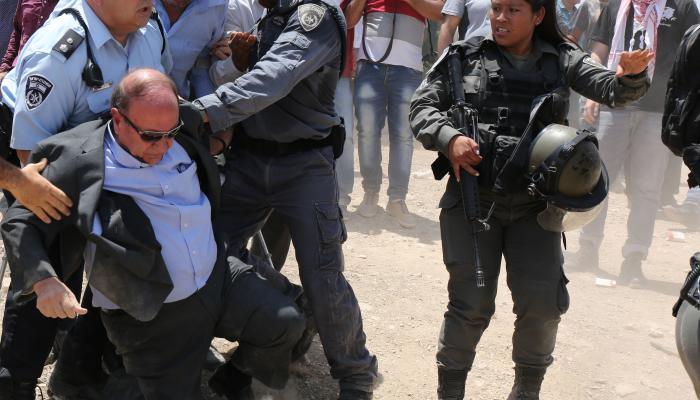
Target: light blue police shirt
[190, 39]
[170, 196]
[47, 91]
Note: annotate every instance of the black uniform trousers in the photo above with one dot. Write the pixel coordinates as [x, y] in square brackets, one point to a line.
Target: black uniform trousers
[167, 354]
[535, 278]
[302, 189]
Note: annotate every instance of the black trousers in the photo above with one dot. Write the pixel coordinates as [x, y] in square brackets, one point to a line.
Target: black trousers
[533, 261]
[27, 336]
[277, 238]
[166, 354]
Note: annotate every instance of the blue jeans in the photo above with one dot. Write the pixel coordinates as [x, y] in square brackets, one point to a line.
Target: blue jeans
[383, 92]
[345, 164]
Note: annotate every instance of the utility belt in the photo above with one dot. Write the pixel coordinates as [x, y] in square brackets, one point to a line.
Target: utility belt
[269, 148]
[6, 152]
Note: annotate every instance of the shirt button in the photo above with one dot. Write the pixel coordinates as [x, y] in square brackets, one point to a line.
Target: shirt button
[166, 187]
[194, 252]
[186, 225]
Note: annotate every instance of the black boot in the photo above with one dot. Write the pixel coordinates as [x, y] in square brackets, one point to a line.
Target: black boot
[231, 383]
[23, 390]
[451, 383]
[528, 381]
[12, 389]
[353, 394]
[631, 271]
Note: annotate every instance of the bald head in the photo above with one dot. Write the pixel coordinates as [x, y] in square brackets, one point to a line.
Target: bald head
[145, 100]
[144, 84]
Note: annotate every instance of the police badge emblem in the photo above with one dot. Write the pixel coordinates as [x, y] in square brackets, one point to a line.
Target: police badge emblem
[37, 90]
[310, 16]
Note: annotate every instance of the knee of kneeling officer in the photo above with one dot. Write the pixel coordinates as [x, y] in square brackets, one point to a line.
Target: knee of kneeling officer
[289, 325]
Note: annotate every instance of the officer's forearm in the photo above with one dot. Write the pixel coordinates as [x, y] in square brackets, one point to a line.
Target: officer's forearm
[10, 175]
[353, 11]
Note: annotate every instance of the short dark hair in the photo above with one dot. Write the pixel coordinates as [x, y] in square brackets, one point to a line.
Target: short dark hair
[138, 87]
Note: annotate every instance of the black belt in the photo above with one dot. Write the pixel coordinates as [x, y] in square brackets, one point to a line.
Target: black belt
[269, 148]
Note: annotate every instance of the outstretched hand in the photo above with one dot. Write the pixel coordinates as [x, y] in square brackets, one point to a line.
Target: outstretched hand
[634, 62]
[55, 300]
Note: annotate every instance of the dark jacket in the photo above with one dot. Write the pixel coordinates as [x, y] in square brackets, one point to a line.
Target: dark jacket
[76, 166]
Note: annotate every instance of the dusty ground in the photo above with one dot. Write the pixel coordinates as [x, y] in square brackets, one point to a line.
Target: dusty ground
[613, 342]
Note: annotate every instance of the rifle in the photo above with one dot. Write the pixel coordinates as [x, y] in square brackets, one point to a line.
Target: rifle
[464, 119]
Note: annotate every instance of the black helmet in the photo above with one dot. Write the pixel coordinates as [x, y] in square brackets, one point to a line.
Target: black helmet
[565, 169]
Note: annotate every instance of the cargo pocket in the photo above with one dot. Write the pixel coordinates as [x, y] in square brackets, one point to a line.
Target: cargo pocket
[563, 294]
[332, 235]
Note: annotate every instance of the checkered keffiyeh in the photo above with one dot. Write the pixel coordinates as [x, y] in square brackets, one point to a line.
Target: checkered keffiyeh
[647, 16]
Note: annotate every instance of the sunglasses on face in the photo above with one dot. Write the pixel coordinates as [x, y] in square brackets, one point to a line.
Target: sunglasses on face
[153, 136]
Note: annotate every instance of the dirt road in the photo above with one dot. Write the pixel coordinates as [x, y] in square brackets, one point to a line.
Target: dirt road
[613, 343]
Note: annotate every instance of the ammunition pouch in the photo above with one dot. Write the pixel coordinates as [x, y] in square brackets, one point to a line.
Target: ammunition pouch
[337, 138]
[496, 149]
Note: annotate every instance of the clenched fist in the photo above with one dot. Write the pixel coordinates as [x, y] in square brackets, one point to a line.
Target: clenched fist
[241, 45]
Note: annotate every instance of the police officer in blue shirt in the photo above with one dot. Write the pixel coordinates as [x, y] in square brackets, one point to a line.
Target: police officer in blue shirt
[282, 157]
[193, 27]
[64, 77]
[52, 88]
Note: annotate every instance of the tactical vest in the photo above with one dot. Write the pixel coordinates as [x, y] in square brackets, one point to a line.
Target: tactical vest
[504, 98]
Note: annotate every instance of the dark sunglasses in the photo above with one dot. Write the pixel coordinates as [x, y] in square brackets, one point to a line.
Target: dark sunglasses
[153, 136]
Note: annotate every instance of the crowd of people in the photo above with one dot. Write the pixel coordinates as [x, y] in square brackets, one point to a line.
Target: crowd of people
[273, 98]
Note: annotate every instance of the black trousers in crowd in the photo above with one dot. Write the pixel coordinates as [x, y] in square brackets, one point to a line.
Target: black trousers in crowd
[167, 353]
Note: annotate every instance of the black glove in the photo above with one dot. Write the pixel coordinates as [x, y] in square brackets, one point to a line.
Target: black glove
[691, 158]
[193, 120]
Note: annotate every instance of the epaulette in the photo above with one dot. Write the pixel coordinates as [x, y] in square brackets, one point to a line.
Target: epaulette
[67, 45]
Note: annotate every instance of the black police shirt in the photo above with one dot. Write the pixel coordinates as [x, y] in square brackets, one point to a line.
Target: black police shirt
[678, 16]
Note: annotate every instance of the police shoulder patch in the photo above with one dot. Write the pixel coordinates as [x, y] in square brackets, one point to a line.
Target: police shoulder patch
[310, 16]
[37, 90]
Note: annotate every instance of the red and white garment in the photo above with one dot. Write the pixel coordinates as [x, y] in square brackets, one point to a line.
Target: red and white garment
[382, 17]
[647, 16]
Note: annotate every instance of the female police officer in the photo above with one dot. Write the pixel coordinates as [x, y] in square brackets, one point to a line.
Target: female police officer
[524, 58]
